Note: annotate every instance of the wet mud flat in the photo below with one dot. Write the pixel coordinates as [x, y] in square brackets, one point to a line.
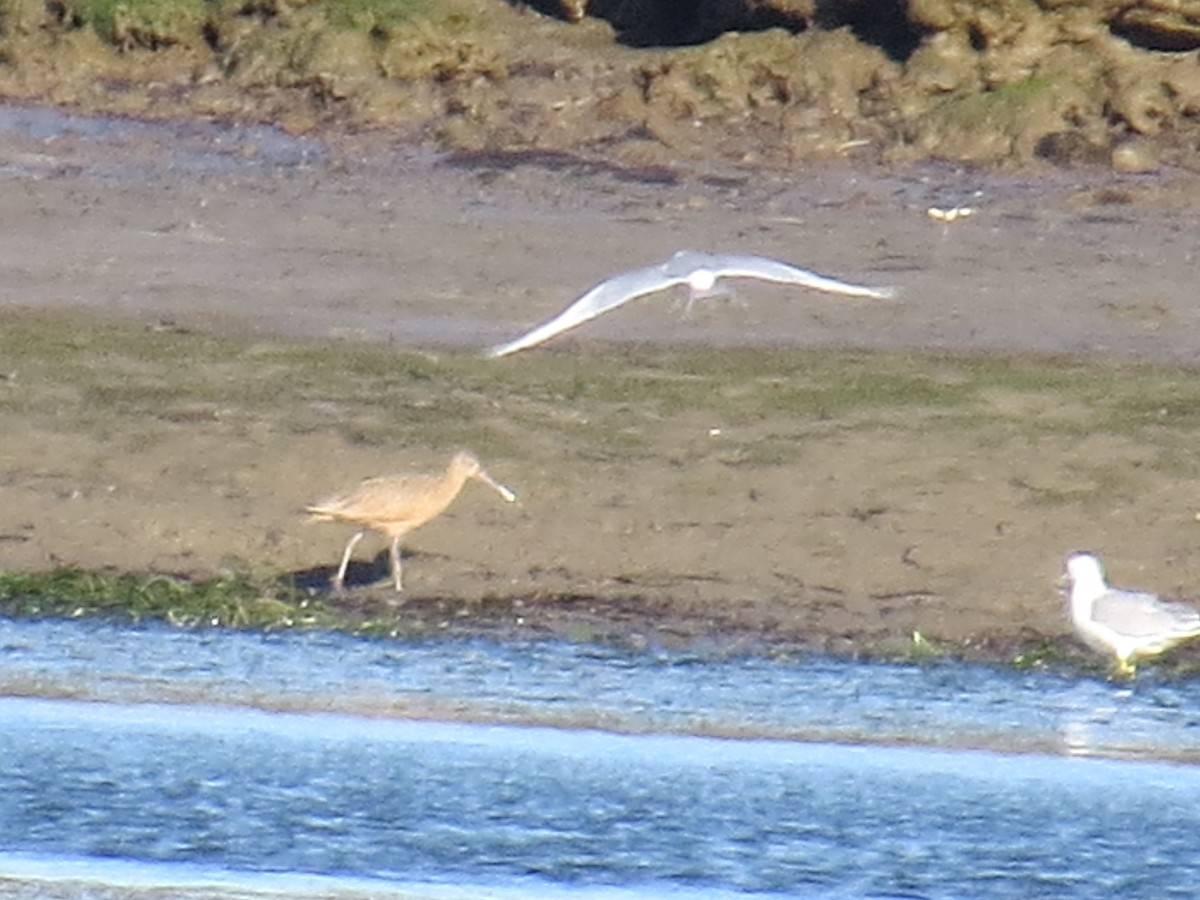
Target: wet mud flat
[192, 353]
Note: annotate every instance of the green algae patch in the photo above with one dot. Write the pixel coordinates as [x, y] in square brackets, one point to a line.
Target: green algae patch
[148, 24]
[378, 17]
[243, 601]
[232, 602]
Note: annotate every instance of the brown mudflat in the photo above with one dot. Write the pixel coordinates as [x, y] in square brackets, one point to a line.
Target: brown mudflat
[680, 478]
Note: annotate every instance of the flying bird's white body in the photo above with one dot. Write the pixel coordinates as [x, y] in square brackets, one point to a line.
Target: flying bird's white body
[699, 271]
[1127, 624]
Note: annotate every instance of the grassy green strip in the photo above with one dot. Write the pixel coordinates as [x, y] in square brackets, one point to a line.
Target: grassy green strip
[231, 601]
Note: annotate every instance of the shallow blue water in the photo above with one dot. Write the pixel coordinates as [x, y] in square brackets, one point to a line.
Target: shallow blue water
[548, 683]
[846, 780]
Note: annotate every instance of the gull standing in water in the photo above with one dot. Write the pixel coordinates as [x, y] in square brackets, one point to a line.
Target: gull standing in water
[1129, 624]
[699, 271]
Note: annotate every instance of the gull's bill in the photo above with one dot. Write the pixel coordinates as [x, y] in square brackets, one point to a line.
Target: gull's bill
[699, 271]
[1127, 624]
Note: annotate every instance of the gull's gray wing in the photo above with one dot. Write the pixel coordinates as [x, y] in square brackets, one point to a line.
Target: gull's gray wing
[733, 265]
[1144, 615]
[600, 299]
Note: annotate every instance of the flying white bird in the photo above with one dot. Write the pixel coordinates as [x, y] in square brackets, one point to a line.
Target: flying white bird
[699, 271]
[1128, 624]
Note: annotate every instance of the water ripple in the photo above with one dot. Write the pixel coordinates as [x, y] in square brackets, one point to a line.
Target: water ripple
[943, 704]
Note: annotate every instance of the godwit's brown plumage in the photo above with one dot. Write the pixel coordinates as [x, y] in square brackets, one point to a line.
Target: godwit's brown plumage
[396, 504]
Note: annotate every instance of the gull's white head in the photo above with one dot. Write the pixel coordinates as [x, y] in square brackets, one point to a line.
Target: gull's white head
[1085, 575]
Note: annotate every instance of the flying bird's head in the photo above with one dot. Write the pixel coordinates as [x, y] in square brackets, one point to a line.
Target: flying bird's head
[701, 281]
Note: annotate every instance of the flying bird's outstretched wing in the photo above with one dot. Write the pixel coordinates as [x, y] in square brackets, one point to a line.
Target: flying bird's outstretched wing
[748, 266]
[695, 269]
[600, 299]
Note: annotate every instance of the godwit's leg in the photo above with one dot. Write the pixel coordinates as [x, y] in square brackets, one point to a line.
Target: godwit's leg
[395, 554]
[339, 580]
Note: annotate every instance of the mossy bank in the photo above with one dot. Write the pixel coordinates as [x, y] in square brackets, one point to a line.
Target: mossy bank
[640, 82]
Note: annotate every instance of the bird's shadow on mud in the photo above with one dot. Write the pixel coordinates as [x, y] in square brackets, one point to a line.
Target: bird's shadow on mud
[358, 574]
[361, 573]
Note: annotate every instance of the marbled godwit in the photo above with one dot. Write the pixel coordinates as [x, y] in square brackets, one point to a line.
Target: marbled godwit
[394, 505]
[1129, 624]
[699, 271]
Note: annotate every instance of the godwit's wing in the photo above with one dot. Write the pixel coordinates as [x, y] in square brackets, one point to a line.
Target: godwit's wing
[734, 265]
[607, 295]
